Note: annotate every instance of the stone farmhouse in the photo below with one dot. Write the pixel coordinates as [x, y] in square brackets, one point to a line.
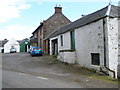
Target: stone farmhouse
[92, 41]
[57, 20]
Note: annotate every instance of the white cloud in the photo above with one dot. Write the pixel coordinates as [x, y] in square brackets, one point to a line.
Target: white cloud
[11, 9]
[17, 31]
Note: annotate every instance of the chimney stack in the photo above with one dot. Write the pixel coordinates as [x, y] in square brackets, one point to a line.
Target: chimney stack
[58, 9]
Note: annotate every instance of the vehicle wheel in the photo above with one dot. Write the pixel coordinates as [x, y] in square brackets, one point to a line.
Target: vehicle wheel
[32, 55]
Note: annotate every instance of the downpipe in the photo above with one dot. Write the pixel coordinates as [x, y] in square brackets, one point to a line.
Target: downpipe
[106, 70]
[105, 66]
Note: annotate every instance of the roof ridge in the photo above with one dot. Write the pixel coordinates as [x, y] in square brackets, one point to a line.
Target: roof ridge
[109, 10]
[91, 13]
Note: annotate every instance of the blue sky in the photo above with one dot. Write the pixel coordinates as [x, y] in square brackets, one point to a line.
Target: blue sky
[19, 18]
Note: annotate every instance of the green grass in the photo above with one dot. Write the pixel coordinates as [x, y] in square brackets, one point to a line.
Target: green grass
[78, 70]
[104, 78]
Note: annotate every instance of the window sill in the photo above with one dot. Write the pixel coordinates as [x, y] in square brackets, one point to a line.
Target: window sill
[67, 50]
[95, 66]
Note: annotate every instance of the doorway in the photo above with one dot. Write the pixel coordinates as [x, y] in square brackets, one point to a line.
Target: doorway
[26, 48]
[55, 47]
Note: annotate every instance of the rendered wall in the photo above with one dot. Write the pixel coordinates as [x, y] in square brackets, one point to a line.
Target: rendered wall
[113, 43]
[89, 39]
[66, 42]
[68, 57]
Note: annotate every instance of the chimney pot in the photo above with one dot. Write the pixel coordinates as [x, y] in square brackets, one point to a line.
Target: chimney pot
[58, 9]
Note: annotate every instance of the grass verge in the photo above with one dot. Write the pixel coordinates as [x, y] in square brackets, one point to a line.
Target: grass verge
[78, 70]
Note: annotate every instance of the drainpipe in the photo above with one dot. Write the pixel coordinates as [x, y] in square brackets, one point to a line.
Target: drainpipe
[104, 38]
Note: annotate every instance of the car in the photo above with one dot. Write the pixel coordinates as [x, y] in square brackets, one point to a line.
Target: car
[35, 51]
[13, 49]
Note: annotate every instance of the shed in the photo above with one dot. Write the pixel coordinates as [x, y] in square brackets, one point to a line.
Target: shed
[24, 45]
[9, 44]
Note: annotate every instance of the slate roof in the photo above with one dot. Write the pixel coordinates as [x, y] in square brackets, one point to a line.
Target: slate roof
[55, 15]
[33, 39]
[3, 42]
[110, 9]
[24, 40]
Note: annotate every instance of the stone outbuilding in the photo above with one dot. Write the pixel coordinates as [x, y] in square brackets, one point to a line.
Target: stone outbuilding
[91, 41]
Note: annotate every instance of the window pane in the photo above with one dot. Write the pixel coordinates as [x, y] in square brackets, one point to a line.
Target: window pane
[61, 40]
[95, 58]
[72, 34]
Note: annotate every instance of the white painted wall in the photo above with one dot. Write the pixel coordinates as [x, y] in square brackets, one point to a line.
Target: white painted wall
[89, 39]
[112, 43]
[66, 42]
[1, 49]
[1, 46]
[119, 42]
[11, 42]
[68, 57]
